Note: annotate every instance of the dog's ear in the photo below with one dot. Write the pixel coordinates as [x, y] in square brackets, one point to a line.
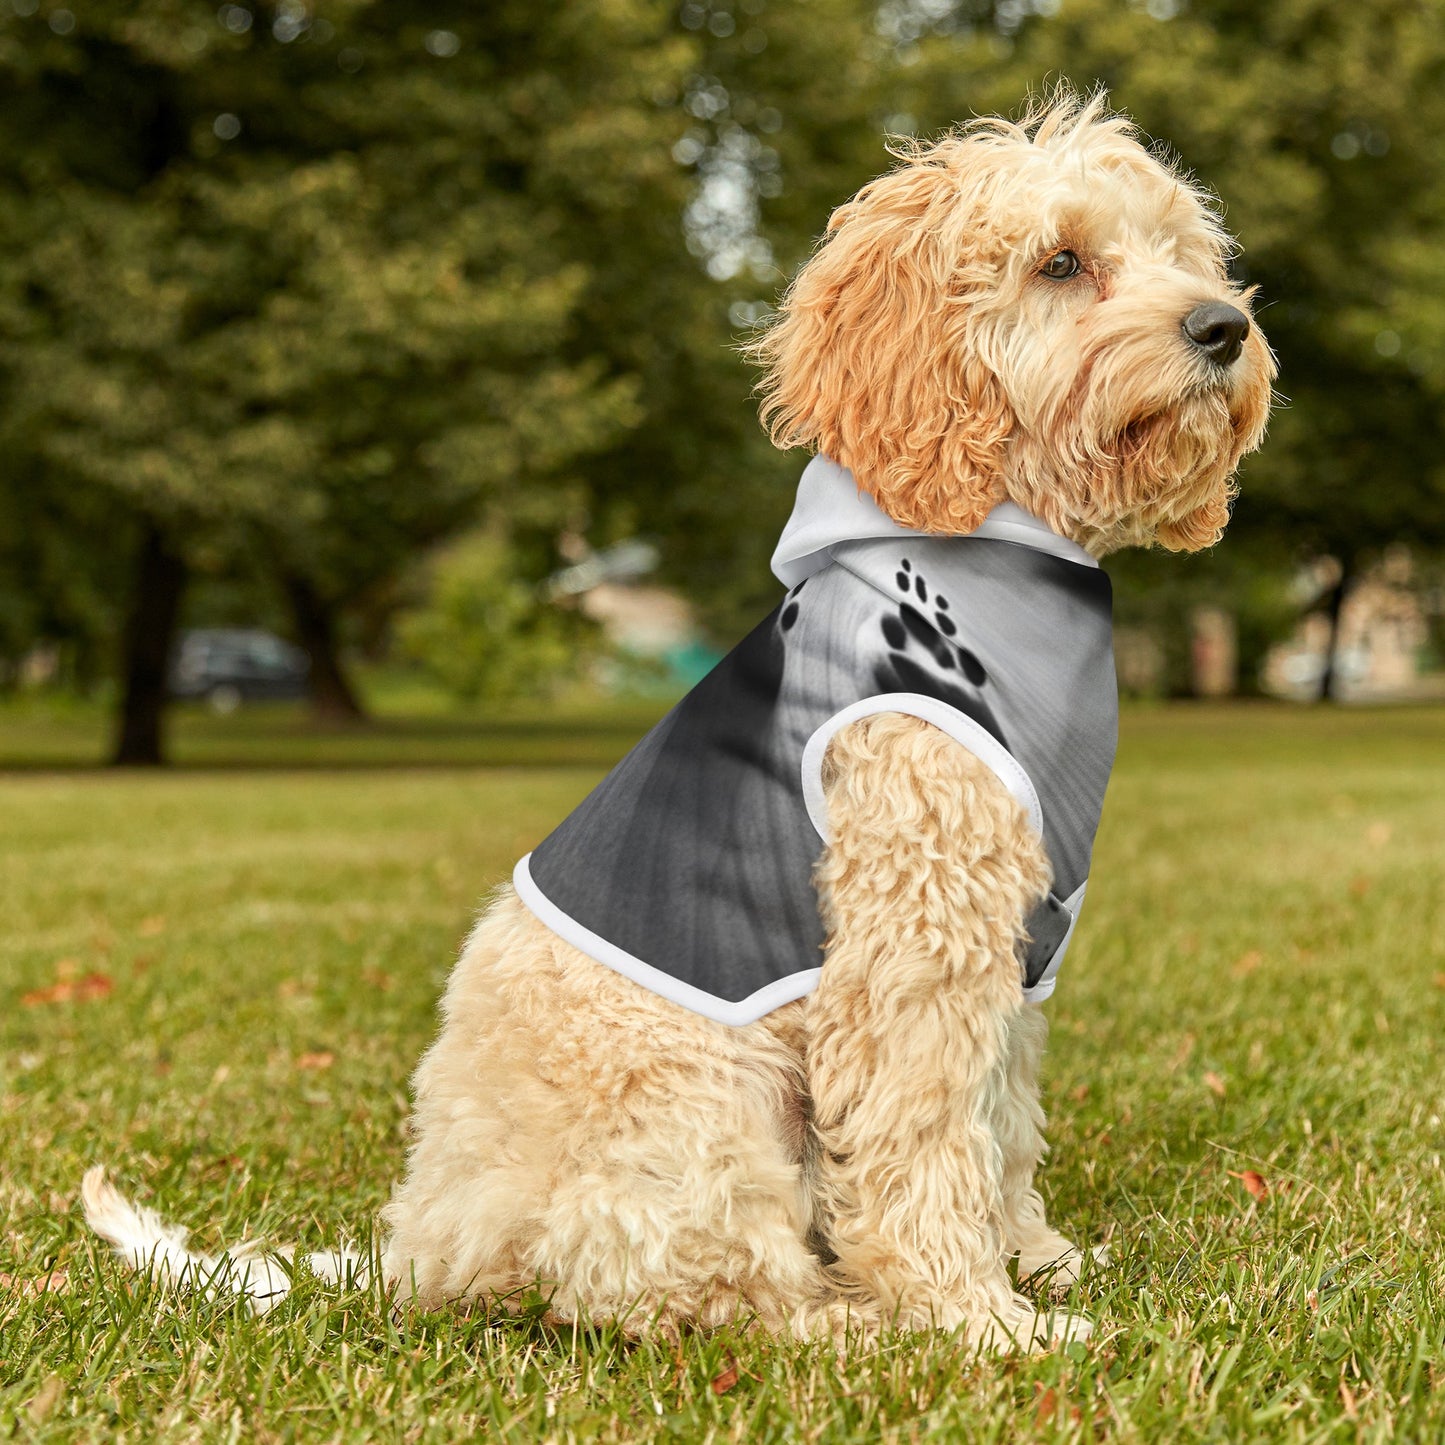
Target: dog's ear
[873, 360]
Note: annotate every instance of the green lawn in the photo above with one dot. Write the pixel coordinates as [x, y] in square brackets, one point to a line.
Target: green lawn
[230, 971]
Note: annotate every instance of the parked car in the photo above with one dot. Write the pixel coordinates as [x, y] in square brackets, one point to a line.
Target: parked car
[230, 665]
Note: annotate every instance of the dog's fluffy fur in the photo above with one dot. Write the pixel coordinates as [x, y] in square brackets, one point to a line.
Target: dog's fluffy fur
[864, 1156]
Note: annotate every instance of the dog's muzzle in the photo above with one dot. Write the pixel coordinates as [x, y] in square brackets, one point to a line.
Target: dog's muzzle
[1218, 330]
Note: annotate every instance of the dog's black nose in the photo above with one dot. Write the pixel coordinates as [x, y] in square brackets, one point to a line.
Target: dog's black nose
[1218, 331]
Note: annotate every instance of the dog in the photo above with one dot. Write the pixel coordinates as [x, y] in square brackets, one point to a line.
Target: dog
[756, 1033]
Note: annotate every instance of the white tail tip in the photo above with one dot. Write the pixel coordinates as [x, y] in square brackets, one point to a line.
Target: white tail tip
[147, 1243]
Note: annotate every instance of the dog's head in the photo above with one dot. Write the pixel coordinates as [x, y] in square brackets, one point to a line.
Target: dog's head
[1038, 312]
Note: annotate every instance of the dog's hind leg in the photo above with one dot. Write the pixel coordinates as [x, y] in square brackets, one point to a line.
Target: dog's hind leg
[925, 885]
[680, 1198]
[575, 1133]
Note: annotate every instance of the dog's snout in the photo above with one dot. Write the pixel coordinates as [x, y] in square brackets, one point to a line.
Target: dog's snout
[1218, 330]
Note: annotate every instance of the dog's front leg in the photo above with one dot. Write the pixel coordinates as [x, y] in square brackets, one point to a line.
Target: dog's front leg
[925, 883]
[1018, 1122]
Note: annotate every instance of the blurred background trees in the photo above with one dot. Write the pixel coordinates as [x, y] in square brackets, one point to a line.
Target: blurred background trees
[292, 294]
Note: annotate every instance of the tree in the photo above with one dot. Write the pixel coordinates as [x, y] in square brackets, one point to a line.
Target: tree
[307, 287]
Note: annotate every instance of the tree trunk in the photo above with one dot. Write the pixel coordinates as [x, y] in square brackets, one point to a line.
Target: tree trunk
[333, 699]
[1329, 676]
[150, 629]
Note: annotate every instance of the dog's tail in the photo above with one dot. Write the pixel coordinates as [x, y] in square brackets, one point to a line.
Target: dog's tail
[147, 1243]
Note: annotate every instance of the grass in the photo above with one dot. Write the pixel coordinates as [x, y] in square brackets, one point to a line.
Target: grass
[230, 971]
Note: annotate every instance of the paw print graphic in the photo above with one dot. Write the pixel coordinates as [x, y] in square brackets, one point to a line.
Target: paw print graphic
[910, 631]
[790, 608]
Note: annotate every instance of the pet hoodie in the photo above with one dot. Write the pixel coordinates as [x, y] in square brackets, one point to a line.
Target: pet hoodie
[689, 867]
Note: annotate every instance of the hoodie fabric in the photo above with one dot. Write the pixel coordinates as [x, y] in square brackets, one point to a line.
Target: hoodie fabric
[689, 867]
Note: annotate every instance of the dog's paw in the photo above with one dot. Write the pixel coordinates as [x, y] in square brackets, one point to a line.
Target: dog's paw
[1023, 1326]
[1056, 1265]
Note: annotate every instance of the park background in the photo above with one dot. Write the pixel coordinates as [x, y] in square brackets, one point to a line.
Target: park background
[410, 333]
[407, 334]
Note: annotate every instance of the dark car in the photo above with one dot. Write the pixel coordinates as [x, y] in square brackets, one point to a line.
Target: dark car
[231, 665]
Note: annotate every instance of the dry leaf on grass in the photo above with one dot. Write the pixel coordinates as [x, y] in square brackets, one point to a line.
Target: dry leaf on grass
[1046, 1407]
[1247, 963]
[321, 1059]
[1255, 1183]
[1214, 1083]
[56, 1282]
[1440, 980]
[724, 1382]
[66, 990]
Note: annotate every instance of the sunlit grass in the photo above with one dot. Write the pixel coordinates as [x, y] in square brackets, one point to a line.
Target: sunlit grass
[252, 958]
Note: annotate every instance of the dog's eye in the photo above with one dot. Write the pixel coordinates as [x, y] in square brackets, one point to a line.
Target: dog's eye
[1060, 266]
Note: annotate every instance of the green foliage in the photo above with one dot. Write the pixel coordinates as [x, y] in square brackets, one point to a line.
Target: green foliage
[310, 287]
[484, 632]
[316, 287]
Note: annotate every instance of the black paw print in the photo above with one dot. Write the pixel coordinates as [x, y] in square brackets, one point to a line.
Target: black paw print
[909, 630]
[790, 610]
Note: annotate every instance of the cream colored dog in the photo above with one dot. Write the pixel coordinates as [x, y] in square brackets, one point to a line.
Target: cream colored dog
[1010, 314]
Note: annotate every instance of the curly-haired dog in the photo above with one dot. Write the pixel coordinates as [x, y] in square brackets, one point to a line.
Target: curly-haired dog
[1014, 353]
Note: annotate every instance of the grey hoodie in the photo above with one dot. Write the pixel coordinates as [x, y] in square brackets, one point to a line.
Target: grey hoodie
[689, 867]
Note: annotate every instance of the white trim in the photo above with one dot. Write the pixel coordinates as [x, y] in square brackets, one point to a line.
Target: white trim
[745, 1011]
[1050, 976]
[946, 718]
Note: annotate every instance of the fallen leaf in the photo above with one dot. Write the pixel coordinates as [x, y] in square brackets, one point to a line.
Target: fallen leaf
[1254, 1183]
[92, 986]
[1440, 980]
[1360, 885]
[321, 1059]
[56, 1282]
[1214, 1083]
[1080, 1094]
[1046, 1408]
[56, 993]
[1247, 963]
[724, 1382]
[152, 927]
